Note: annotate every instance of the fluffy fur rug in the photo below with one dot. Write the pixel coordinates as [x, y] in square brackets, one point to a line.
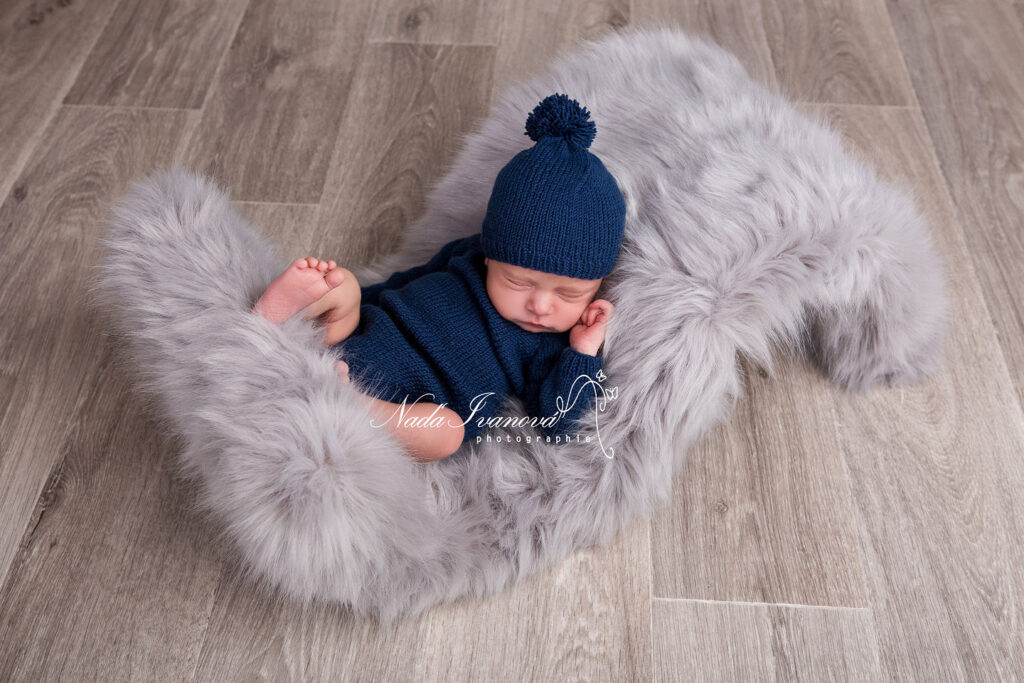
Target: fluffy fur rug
[749, 228]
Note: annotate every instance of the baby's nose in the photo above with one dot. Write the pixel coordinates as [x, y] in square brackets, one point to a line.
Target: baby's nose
[541, 305]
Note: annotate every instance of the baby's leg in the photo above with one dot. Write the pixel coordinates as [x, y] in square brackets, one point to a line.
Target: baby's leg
[338, 309]
[339, 329]
[424, 440]
[427, 438]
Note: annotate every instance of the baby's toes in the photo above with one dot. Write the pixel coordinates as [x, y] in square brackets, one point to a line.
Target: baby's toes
[335, 276]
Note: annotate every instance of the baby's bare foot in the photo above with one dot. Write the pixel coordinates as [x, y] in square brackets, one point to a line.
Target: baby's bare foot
[305, 281]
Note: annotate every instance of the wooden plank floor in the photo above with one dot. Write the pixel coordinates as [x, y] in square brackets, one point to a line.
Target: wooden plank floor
[816, 535]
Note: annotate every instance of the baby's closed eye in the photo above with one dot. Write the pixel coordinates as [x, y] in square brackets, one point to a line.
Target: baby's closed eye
[568, 295]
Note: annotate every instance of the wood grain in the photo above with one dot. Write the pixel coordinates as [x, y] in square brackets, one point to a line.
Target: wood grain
[602, 631]
[289, 226]
[271, 119]
[452, 22]
[965, 60]
[252, 636]
[49, 339]
[715, 641]
[129, 573]
[738, 26]
[394, 142]
[761, 511]
[42, 47]
[836, 51]
[935, 469]
[535, 32]
[157, 54]
[66, 453]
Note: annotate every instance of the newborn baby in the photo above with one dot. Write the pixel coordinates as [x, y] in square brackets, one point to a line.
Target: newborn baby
[509, 310]
[452, 330]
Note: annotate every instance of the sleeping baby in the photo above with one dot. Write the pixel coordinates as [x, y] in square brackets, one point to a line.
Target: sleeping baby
[508, 310]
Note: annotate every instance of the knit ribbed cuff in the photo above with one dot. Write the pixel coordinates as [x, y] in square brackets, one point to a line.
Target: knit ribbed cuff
[575, 363]
[567, 260]
[571, 365]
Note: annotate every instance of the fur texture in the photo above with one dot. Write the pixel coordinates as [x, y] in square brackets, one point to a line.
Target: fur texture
[749, 229]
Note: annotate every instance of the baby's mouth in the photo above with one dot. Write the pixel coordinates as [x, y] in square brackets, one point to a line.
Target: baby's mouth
[527, 322]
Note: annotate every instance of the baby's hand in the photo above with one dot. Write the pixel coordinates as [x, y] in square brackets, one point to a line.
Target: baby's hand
[588, 334]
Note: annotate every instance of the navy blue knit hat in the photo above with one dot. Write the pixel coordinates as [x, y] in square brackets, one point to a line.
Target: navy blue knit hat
[555, 207]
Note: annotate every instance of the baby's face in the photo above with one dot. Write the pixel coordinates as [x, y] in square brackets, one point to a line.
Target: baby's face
[524, 296]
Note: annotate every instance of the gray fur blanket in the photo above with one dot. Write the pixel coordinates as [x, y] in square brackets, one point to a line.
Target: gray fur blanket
[748, 228]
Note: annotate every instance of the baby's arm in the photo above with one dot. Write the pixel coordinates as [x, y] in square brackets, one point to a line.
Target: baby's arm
[582, 357]
[438, 263]
[560, 382]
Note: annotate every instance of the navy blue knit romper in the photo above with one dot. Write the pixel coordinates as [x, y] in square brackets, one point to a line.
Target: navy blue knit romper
[432, 329]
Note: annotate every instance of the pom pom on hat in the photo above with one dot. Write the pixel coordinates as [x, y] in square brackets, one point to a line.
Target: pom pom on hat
[559, 116]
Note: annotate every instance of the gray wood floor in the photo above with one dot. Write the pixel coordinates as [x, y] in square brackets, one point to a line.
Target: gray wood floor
[816, 535]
